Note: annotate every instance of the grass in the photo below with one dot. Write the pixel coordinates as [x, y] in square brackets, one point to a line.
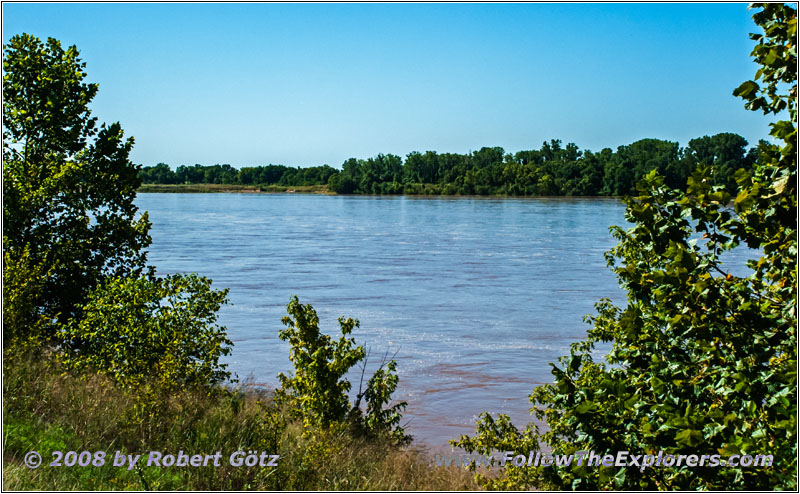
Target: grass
[48, 410]
[201, 188]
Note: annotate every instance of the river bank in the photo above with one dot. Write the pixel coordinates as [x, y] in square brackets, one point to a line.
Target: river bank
[323, 190]
[255, 189]
[87, 412]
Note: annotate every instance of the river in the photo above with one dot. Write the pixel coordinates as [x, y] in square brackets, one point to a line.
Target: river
[475, 296]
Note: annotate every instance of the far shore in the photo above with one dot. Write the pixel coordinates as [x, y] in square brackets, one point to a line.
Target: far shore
[253, 189]
[320, 190]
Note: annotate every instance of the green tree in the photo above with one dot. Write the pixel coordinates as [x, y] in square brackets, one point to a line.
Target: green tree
[159, 174]
[317, 389]
[68, 186]
[701, 361]
[725, 153]
[341, 183]
[74, 273]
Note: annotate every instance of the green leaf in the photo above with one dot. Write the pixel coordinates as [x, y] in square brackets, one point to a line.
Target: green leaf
[689, 437]
[746, 89]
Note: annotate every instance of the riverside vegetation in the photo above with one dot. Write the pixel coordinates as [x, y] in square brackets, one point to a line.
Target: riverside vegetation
[101, 354]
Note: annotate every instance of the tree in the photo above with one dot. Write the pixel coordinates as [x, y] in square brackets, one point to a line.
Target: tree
[159, 174]
[725, 153]
[74, 273]
[317, 389]
[68, 211]
[341, 183]
[702, 361]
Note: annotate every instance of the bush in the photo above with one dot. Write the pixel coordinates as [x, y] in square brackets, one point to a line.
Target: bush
[140, 329]
[24, 321]
[317, 392]
[380, 422]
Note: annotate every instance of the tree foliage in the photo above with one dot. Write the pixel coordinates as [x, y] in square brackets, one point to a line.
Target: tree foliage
[23, 321]
[317, 389]
[379, 421]
[68, 186]
[702, 361]
[74, 274]
[226, 174]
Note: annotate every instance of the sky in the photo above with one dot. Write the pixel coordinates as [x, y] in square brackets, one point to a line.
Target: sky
[311, 84]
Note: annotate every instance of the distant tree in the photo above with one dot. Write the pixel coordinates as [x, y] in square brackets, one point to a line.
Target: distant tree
[159, 174]
[591, 181]
[413, 168]
[341, 184]
[271, 174]
[486, 157]
[552, 170]
[725, 153]
[248, 176]
[190, 174]
[633, 161]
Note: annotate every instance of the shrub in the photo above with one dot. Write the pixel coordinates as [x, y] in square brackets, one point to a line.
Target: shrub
[380, 422]
[317, 392]
[138, 329]
[23, 318]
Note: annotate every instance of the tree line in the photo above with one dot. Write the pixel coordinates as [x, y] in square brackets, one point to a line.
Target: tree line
[552, 170]
[226, 174]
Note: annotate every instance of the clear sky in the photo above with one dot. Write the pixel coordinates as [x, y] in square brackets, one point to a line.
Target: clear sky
[307, 84]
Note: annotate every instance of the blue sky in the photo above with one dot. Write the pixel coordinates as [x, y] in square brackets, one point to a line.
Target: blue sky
[307, 84]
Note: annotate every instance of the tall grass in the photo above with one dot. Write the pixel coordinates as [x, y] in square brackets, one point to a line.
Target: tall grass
[46, 409]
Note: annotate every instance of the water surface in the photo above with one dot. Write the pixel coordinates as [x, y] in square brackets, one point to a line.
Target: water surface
[475, 296]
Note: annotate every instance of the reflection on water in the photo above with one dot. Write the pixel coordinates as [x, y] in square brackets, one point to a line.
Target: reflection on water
[476, 296]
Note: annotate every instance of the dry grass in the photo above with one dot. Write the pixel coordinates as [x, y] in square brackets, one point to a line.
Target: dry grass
[47, 410]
